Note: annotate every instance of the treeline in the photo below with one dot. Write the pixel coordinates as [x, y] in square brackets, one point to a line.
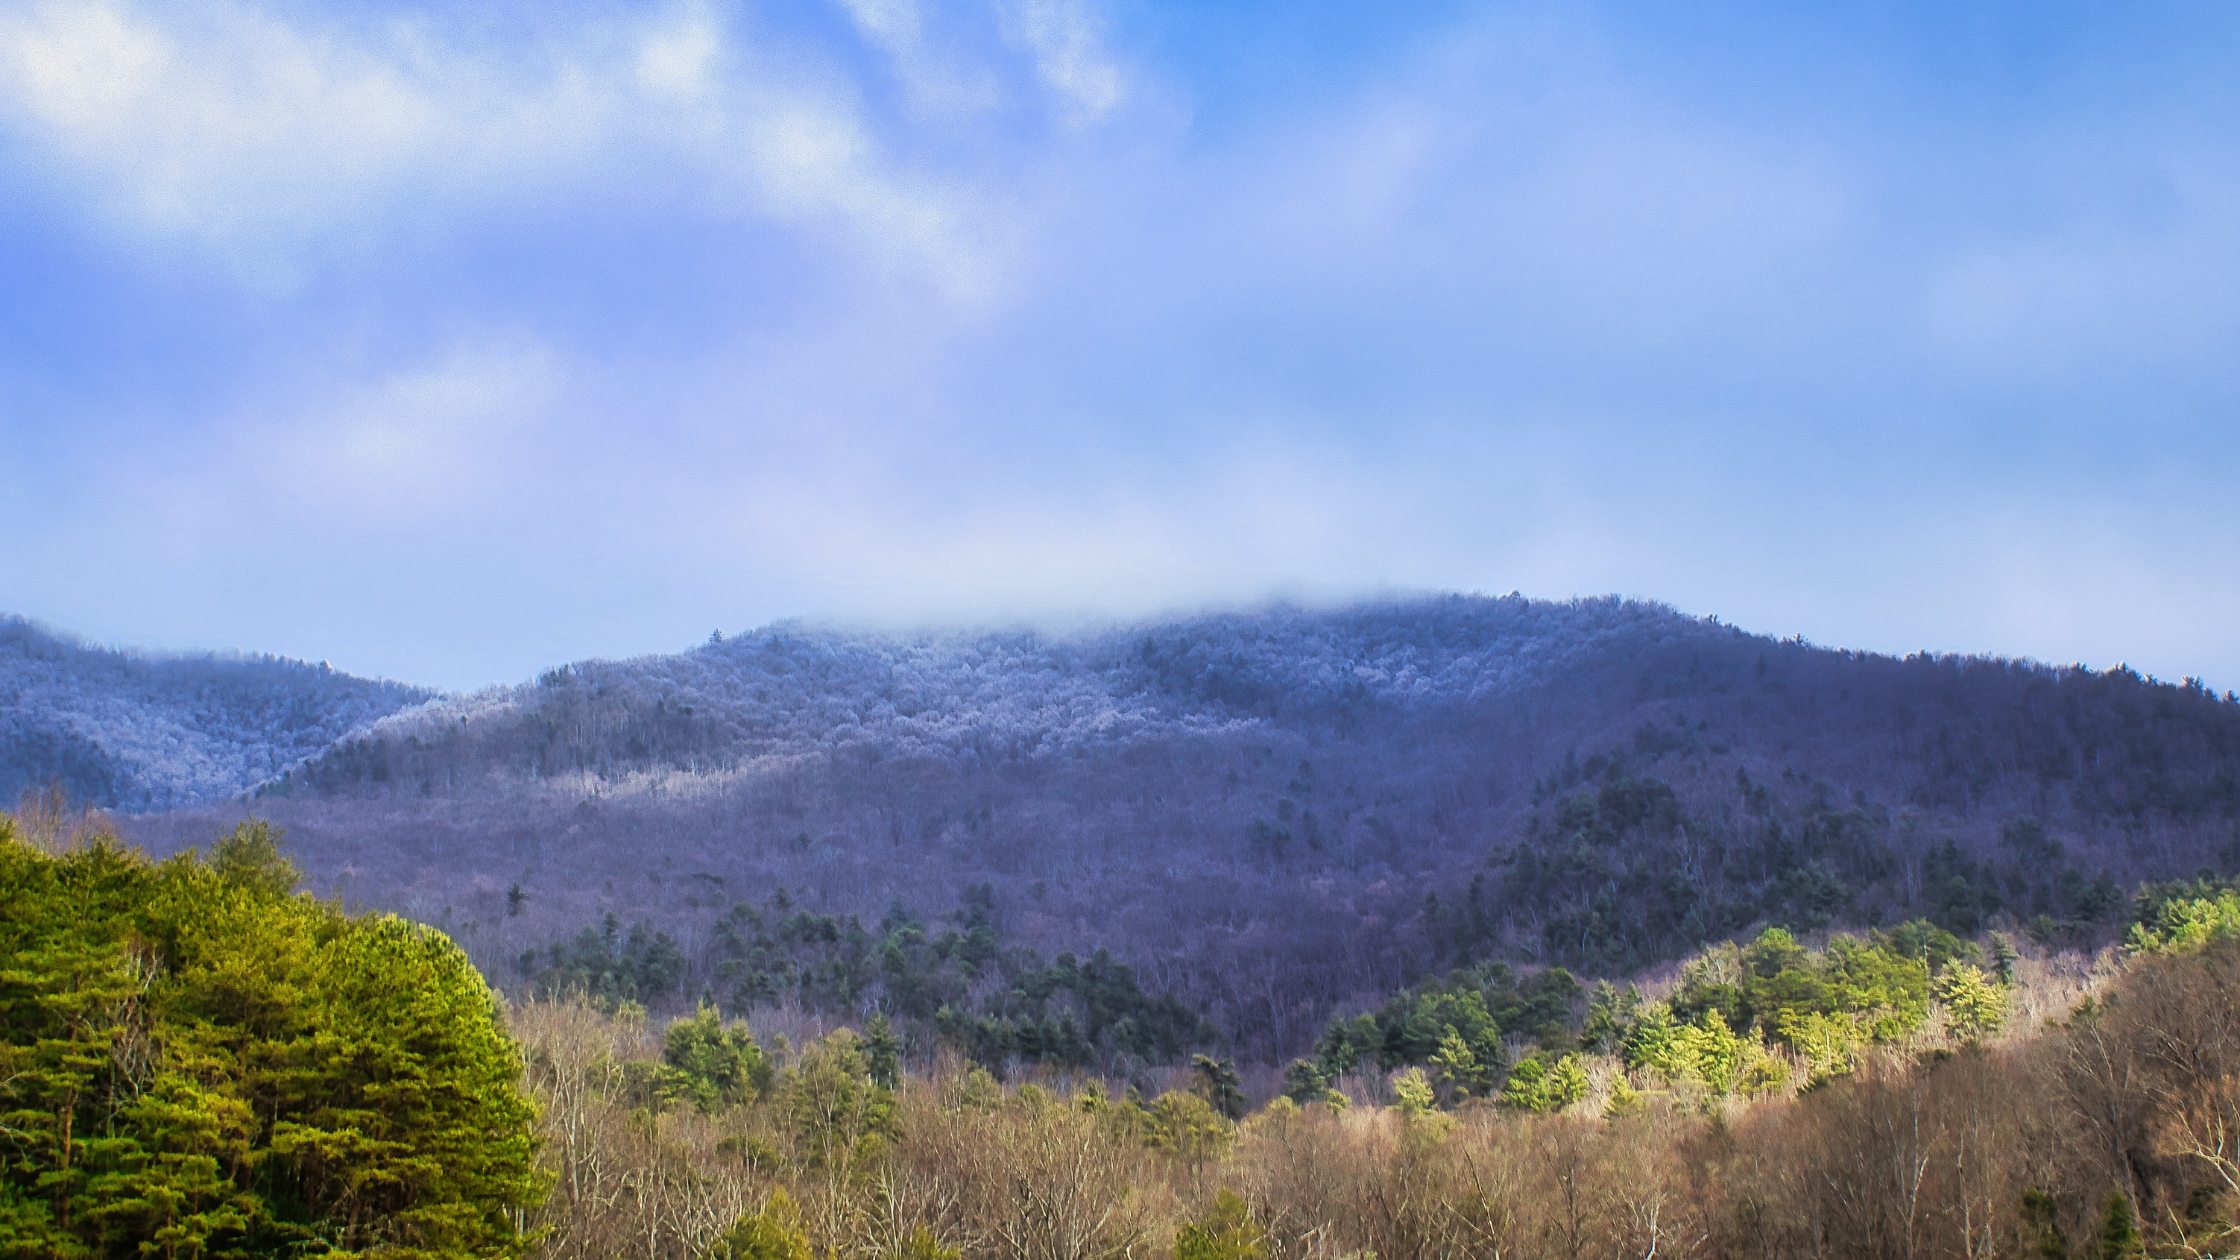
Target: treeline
[956, 981]
[1750, 1020]
[961, 985]
[1929, 732]
[1768, 1017]
[198, 1061]
[2105, 1133]
[1633, 873]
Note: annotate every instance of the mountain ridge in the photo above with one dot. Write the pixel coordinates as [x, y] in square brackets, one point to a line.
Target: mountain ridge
[1274, 813]
[795, 684]
[140, 730]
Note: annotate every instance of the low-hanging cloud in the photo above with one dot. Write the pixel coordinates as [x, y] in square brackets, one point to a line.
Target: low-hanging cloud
[441, 436]
[1503, 302]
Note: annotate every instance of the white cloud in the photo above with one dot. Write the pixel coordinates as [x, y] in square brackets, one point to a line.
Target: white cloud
[2096, 297]
[681, 61]
[935, 77]
[431, 436]
[1067, 43]
[255, 139]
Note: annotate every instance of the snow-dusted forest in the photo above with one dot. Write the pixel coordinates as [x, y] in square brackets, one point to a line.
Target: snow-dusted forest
[796, 690]
[136, 731]
[1271, 814]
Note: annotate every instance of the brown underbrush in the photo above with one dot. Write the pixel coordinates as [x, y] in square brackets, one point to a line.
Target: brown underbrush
[2112, 1131]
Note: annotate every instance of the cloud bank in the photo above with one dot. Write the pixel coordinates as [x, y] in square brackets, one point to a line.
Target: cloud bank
[265, 141]
[448, 348]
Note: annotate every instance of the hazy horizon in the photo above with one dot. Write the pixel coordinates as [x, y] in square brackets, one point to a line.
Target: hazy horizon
[1078, 624]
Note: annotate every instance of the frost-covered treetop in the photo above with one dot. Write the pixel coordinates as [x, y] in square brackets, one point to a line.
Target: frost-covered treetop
[798, 688]
[142, 731]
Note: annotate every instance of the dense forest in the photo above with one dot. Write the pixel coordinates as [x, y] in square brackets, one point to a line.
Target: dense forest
[138, 731]
[1261, 819]
[195, 1062]
[200, 1062]
[1852, 1101]
[1272, 816]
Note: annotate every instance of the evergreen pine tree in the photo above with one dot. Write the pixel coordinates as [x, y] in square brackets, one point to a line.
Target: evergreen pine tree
[882, 1051]
[251, 856]
[1218, 1078]
[1228, 1232]
[2041, 1215]
[2119, 1230]
[1303, 1082]
[774, 1233]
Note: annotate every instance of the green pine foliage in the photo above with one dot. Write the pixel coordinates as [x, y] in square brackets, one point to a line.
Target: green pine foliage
[194, 1062]
[1071, 1012]
[1975, 1005]
[1880, 982]
[1218, 1079]
[1459, 1070]
[1825, 1005]
[251, 855]
[1180, 1123]
[773, 1233]
[2042, 1235]
[1412, 1093]
[1228, 1232]
[1703, 1052]
[1537, 1084]
[882, 1051]
[607, 965]
[1477, 1005]
[1720, 1033]
[710, 1066]
[1604, 850]
[2184, 917]
[1601, 849]
[2119, 1231]
[1455, 1028]
[838, 1111]
[1303, 1082]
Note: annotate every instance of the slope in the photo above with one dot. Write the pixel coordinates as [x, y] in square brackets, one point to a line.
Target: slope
[1271, 814]
[131, 731]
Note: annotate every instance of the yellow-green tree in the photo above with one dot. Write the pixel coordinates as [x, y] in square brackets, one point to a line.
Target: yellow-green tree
[836, 1108]
[194, 1062]
[2184, 925]
[774, 1233]
[1537, 1086]
[1228, 1232]
[1974, 1006]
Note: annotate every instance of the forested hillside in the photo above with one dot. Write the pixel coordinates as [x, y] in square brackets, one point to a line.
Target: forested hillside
[1270, 815]
[132, 731]
[194, 1062]
[1783, 1102]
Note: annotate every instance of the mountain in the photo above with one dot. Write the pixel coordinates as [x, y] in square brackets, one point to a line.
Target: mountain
[134, 731]
[796, 691]
[1271, 814]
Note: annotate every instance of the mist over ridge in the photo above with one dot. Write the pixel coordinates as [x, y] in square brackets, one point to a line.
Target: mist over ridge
[1269, 814]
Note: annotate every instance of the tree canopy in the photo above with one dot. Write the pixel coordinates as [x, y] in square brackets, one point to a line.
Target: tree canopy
[195, 1062]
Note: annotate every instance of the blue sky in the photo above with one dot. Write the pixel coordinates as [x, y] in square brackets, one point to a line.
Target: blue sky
[448, 342]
